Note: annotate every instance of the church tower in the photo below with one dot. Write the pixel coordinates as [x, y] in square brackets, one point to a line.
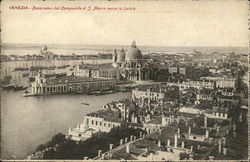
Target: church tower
[114, 58]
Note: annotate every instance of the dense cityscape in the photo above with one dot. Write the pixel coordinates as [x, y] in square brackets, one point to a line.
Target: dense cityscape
[181, 106]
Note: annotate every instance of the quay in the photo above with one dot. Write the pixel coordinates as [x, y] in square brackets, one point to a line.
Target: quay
[69, 84]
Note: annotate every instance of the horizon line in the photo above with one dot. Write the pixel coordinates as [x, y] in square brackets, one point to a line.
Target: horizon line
[46, 44]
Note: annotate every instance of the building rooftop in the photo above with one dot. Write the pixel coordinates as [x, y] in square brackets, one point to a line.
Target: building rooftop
[107, 115]
[74, 79]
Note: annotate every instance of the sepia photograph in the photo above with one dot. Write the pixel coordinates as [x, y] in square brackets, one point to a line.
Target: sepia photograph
[124, 80]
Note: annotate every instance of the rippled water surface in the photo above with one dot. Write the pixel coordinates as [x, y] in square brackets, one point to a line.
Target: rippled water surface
[27, 122]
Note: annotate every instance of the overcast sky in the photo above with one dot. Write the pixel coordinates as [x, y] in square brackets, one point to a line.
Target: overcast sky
[152, 23]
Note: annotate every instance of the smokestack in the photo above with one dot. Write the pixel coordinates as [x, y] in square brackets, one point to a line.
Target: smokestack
[205, 121]
[127, 148]
[189, 130]
[175, 140]
[207, 133]
[110, 146]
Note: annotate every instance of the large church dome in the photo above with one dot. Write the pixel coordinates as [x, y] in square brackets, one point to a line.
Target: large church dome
[133, 53]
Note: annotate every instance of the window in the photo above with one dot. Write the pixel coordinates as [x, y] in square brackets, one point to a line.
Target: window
[109, 125]
[96, 122]
[194, 137]
[104, 124]
[92, 122]
[87, 121]
[100, 123]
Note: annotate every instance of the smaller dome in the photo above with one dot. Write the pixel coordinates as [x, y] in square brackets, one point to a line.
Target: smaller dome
[44, 49]
[121, 56]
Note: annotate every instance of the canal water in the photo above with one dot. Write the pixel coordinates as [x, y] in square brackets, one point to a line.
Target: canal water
[27, 122]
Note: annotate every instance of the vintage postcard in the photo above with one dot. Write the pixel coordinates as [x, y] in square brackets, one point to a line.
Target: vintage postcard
[124, 80]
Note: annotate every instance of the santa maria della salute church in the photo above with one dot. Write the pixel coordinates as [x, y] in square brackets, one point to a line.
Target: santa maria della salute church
[131, 63]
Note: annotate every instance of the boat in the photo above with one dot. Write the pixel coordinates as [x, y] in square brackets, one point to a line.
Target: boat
[27, 94]
[20, 69]
[18, 88]
[25, 74]
[8, 87]
[84, 103]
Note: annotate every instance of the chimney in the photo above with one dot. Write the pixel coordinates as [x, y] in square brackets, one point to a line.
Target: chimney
[234, 127]
[141, 134]
[126, 139]
[189, 130]
[175, 140]
[205, 121]
[134, 138]
[182, 144]
[131, 138]
[219, 146]
[224, 141]
[178, 119]
[127, 148]
[217, 129]
[160, 131]
[227, 131]
[103, 156]
[224, 151]
[99, 153]
[179, 133]
[191, 157]
[168, 142]
[110, 146]
[121, 141]
[198, 147]
[207, 133]
[159, 143]
[211, 158]
[191, 148]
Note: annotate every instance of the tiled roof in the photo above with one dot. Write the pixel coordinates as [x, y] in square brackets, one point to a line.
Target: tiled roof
[108, 115]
